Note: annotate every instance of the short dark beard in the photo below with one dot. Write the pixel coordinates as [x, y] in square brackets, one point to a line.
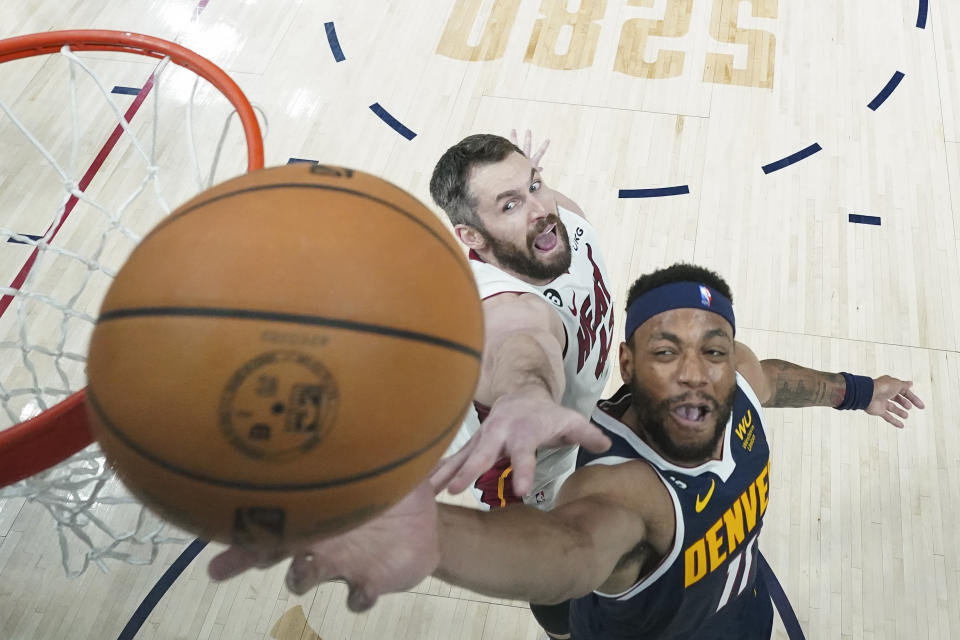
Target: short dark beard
[652, 417]
[525, 263]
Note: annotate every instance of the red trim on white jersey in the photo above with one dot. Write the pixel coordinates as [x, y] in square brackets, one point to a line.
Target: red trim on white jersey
[582, 299]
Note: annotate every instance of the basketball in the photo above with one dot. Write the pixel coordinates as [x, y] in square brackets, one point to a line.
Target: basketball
[285, 355]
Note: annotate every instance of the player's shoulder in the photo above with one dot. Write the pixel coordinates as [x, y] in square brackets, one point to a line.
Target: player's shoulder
[617, 478]
[752, 378]
[515, 299]
[508, 312]
[636, 485]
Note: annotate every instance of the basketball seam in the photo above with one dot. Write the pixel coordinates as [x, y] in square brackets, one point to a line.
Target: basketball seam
[231, 484]
[293, 318]
[458, 256]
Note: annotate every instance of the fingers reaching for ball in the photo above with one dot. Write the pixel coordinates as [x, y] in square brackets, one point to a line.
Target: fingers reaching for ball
[366, 557]
[235, 560]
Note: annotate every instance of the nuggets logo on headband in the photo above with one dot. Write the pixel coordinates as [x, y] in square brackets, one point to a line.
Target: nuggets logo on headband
[678, 295]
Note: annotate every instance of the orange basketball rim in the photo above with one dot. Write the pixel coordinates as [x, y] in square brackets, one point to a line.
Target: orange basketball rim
[56, 434]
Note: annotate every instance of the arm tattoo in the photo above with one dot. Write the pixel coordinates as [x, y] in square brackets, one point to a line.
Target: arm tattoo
[796, 386]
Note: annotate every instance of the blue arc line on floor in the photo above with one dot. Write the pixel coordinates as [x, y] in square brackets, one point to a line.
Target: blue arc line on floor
[792, 158]
[334, 42]
[779, 597]
[395, 124]
[654, 193]
[126, 91]
[886, 91]
[859, 219]
[160, 588]
[922, 15]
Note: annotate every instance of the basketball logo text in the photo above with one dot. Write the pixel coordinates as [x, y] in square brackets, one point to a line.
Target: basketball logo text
[258, 525]
[278, 406]
[328, 170]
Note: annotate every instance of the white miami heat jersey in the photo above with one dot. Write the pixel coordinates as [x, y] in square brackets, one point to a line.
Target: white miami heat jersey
[582, 298]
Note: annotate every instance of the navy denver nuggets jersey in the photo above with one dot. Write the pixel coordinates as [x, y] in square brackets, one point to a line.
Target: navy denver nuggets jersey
[707, 585]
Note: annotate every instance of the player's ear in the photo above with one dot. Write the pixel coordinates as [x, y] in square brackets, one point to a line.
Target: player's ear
[470, 236]
[626, 361]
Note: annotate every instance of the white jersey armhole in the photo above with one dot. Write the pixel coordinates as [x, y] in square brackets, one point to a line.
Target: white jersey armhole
[671, 557]
[751, 395]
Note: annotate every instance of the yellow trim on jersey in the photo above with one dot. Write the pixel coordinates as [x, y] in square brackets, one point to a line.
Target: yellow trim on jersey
[500, 482]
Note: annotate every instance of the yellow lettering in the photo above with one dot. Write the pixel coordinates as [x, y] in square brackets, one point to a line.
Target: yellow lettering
[581, 26]
[763, 487]
[744, 424]
[733, 519]
[749, 501]
[636, 32]
[713, 544]
[455, 41]
[694, 562]
[761, 45]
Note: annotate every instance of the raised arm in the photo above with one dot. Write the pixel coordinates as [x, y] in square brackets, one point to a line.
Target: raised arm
[523, 349]
[779, 383]
[607, 519]
[590, 541]
[535, 158]
[522, 381]
[517, 552]
[526, 554]
[568, 204]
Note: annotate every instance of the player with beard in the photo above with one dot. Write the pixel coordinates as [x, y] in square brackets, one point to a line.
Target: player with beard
[658, 535]
[548, 322]
[549, 325]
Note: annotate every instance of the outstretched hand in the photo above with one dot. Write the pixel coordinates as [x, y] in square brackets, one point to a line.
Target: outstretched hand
[392, 552]
[527, 146]
[517, 426]
[892, 399]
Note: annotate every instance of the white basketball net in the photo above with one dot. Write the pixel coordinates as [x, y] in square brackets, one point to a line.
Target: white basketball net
[45, 331]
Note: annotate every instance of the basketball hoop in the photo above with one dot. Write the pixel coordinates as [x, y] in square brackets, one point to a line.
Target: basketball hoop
[44, 399]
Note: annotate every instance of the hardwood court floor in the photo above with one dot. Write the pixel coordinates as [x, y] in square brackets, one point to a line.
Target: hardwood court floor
[634, 94]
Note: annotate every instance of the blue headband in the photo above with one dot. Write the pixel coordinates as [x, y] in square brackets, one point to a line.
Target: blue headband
[678, 295]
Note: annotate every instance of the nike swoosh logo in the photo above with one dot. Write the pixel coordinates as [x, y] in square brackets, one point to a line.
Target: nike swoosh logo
[702, 504]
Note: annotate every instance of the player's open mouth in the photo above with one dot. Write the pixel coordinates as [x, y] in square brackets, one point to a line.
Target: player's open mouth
[547, 240]
[690, 415]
